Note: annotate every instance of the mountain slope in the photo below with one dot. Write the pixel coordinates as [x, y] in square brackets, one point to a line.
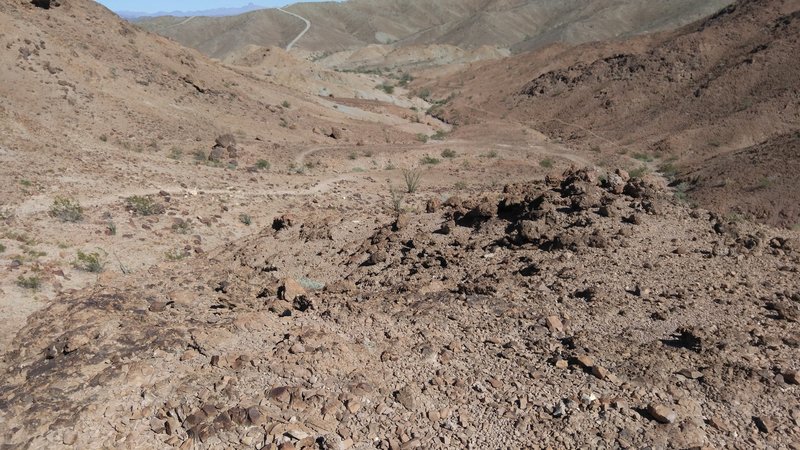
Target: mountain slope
[519, 24]
[716, 86]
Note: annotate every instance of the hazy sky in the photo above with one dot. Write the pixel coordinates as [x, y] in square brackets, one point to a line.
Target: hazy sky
[150, 6]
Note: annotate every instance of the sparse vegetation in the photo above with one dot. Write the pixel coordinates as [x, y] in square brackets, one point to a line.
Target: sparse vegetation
[2, 247]
[182, 226]
[448, 153]
[111, 228]
[200, 156]
[88, 262]
[405, 79]
[430, 160]
[263, 164]
[143, 205]
[32, 282]
[176, 254]
[175, 153]
[644, 157]
[680, 192]
[412, 177]
[424, 94]
[490, 154]
[422, 137]
[440, 135]
[66, 210]
[638, 172]
[352, 156]
[668, 169]
[286, 104]
[104, 137]
[764, 183]
[396, 197]
[546, 163]
[386, 87]
[245, 219]
[460, 185]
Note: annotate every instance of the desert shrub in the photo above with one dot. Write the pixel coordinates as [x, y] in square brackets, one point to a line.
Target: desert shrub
[396, 199]
[386, 87]
[182, 226]
[352, 156]
[66, 210]
[639, 172]
[460, 185]
[88, 262]
[644, 157]
[424, 94]
[263, 164]
[286, 104]
[2, 247]
[546, 163]
[405, 79]
[490, 154]
[430, 160]
[175, 153]
[412, 178]
[143, 205]
[448, 153]
[440, 135]
[669, 170]
[422, 137]
[111, 227]
[176, 254]
[32, 282]
[245, 219]
[681, 192]
[200, 156]
[311, 285]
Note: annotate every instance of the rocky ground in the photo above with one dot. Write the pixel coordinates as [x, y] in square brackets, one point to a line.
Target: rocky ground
[588, 309]
[195, 255]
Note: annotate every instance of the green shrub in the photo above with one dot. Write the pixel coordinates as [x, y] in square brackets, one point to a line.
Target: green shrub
[66, 210]
[32, 282]
[424, 94]
[2, 247]
[644, 157]
[144, 206]
[460, 185]
[546, 163]
[385, 87]
[430, 160]
[175, 153]
[263, 164]
[245, 219]
[440, 135]
[448, 153]
[88, 262]
[422, 137]
[286, 104]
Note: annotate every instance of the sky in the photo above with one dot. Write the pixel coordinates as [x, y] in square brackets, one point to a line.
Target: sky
[151, 6]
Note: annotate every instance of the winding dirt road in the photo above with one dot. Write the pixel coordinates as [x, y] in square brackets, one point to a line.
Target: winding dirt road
[302, 33]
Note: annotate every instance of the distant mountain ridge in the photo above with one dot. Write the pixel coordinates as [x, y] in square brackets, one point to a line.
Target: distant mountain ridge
[518, 25]
[218, 12]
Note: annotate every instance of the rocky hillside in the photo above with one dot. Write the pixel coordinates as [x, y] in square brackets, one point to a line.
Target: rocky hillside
[480, 323]
[518, 25]
[689, 100]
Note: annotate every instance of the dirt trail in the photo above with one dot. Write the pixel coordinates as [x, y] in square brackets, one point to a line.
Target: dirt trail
[302, 33]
